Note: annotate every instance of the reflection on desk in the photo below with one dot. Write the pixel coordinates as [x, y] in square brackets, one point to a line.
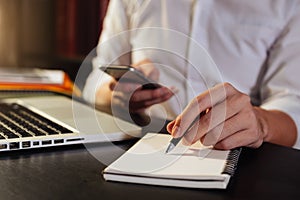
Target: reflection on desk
[270, 172]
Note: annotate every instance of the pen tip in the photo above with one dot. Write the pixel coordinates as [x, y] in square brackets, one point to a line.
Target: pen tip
[170, 147]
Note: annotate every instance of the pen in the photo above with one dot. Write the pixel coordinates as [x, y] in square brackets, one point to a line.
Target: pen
[175, 141]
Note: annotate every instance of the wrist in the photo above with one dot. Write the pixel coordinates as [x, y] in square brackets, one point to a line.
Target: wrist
[263, 124]
[276, 127]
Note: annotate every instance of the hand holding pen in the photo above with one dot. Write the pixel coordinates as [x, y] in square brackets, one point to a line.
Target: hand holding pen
[175, 141]
[232, 121]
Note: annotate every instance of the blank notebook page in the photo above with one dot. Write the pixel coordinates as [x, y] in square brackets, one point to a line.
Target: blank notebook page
[148, 158]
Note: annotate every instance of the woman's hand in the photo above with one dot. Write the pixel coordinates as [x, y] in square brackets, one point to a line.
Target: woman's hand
[231, 121]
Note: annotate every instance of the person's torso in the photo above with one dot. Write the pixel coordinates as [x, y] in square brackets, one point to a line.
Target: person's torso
[237, 34]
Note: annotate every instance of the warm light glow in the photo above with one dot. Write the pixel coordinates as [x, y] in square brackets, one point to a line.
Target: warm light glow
[1, 26]
[8, 40]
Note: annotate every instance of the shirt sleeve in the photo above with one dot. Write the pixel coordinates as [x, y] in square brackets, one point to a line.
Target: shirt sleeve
[113, 47]
[281, 87]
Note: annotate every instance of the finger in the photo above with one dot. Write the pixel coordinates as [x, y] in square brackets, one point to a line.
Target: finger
[225, 102]
[239, 139]
[134, 106]
[147, 95]
[189, 138]
[221, 120]
[229, 115]
[126, 87]
[192, 131]
[224, 130]
[159, 100]
[122, 98]
[170, 126]
[202, 102]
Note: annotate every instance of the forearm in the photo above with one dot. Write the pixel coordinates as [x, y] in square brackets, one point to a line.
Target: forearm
[278, 127]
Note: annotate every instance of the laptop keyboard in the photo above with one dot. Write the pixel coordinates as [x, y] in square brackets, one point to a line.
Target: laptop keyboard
[17, 121]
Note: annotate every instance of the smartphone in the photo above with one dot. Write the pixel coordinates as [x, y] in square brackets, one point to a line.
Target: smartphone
[129, 74]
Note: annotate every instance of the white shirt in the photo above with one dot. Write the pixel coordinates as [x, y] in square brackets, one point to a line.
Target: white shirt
[197, 44]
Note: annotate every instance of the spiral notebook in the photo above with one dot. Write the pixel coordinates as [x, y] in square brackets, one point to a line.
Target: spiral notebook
[191, 167]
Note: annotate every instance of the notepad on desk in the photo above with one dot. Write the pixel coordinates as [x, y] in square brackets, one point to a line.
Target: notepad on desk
[193, 167]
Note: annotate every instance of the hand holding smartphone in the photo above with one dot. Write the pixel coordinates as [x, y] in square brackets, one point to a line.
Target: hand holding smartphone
[136, 101]
[129, 74]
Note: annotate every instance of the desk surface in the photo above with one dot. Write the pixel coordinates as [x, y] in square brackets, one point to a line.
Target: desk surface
[270, 172]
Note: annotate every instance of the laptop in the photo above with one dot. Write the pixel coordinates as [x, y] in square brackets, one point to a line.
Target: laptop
[44, 121]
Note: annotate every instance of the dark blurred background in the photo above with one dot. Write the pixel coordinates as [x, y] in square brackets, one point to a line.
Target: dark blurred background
[55, 34]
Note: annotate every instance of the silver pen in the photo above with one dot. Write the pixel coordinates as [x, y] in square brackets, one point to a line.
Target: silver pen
[175, 141]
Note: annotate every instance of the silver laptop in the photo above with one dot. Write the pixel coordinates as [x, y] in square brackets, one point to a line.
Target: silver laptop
[34, 122]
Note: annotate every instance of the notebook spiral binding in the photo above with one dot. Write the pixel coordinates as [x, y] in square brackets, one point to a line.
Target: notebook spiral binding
[232, 161]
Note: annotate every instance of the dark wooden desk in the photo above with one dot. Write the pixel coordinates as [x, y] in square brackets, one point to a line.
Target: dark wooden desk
[271, 172]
